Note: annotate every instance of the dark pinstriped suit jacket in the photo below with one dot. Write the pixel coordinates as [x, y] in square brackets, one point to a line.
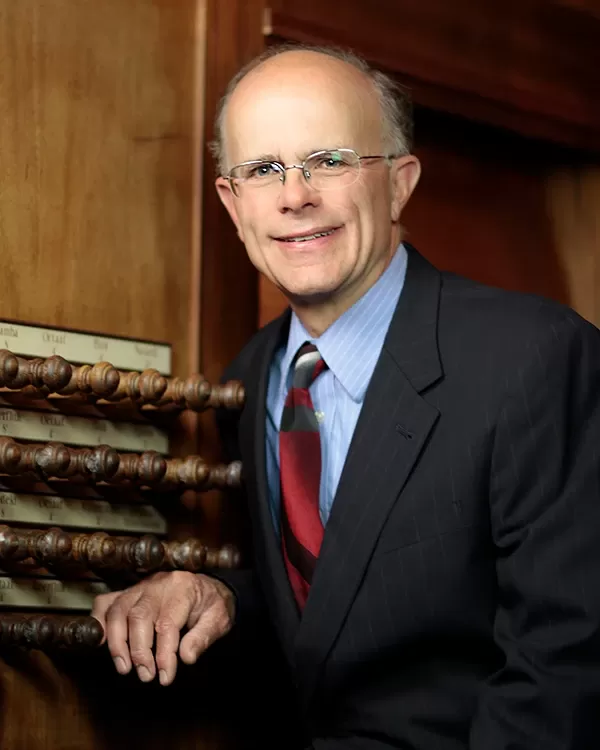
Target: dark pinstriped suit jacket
[456, 601]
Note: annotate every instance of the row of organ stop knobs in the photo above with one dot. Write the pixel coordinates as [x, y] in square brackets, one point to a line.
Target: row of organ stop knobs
[58, 550]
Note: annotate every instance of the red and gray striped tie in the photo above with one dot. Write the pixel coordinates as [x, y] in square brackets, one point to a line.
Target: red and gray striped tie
[300, 470]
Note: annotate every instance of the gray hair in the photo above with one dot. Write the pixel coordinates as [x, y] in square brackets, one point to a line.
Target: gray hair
[395, 102]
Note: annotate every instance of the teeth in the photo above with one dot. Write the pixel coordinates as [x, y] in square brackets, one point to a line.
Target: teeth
[311, 236]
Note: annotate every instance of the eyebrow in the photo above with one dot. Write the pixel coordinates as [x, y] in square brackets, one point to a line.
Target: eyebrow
[301, 157]
[264, 157]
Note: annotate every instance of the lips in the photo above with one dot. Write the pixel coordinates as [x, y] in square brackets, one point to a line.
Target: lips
[312, 234]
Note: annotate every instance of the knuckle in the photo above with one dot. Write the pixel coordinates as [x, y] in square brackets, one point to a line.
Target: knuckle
[164, 624]
[115, 611]
[140, 613]
[138, 655]
[182, 579]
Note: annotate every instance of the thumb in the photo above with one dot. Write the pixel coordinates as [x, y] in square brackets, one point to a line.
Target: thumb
[209, 627]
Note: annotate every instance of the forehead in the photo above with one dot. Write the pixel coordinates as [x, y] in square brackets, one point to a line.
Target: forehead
[300, 102]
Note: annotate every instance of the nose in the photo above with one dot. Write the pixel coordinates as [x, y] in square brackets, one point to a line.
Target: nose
[296, 192]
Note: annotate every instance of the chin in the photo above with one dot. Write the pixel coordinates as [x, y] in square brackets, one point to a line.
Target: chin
[306, 294]
[303, 287]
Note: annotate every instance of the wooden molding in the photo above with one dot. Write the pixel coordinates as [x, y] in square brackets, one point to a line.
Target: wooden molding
[527, 68]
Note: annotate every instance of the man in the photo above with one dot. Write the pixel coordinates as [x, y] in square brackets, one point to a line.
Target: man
[423, 482]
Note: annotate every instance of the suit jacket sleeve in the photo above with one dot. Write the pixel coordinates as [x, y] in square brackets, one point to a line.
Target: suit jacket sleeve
[250, 606]
[545, 511]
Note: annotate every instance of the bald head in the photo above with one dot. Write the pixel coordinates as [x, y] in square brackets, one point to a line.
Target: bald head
[291, 62]
[305, 99]
[307, 69]
[325, 76]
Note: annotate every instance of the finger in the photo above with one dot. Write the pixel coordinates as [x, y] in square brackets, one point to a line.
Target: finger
[141, 620]
[212, 625]
[174, 614]
[101, 604]
[117, 629]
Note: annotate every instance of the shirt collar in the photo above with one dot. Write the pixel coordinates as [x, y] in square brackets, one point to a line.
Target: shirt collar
[352, 344]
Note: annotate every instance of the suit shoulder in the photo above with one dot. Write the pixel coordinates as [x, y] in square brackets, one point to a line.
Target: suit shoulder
[239, 366]
[503, 314]
[489, 338]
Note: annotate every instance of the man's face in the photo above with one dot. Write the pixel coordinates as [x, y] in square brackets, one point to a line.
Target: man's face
[290, 107]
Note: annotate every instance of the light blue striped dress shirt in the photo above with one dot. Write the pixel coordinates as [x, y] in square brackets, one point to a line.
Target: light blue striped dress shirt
[351, 347]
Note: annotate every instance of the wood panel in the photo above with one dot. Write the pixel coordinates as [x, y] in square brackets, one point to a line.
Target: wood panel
[99, 227]
[96, 165]
[573, 193]
[480, 209]
[528, 65]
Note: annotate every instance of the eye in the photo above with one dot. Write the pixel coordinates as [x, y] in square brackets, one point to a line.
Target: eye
[260, 171]
[331, 160]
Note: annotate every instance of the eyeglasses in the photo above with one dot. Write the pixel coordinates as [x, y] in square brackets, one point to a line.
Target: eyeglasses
[323, 170]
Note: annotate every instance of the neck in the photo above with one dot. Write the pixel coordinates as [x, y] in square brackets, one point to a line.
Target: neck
[317, 318]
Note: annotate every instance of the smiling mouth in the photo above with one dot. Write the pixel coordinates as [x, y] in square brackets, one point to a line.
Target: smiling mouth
[308, 237]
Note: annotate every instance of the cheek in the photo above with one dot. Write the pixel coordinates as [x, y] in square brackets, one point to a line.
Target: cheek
[338, 205]
[251, 222]
[367, 203]
[376, 209]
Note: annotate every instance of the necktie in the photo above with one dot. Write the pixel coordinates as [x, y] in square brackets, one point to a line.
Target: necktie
[300, 471]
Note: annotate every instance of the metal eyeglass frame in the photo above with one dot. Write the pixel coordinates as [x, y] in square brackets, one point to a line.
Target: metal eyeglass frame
[282, 169]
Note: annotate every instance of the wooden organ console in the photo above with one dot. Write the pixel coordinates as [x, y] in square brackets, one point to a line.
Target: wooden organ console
[88, 477]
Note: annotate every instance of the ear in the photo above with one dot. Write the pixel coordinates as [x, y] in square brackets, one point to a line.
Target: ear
[228, 199]
[405, 174]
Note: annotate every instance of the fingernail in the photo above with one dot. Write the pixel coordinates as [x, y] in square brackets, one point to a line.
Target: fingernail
[162, 676]
[120, 665]
[144, 674]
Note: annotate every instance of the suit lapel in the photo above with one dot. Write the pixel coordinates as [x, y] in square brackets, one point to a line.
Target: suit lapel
[391, 432]
[252, 434]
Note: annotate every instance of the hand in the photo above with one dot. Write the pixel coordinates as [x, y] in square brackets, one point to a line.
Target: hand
[163, 604]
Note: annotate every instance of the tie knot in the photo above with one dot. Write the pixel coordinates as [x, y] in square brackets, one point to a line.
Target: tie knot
[308, 365]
